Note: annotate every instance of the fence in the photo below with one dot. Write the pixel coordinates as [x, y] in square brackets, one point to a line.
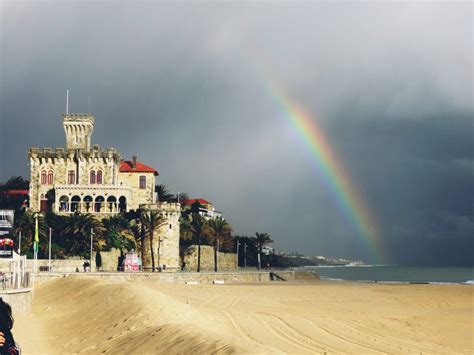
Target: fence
[17, 277]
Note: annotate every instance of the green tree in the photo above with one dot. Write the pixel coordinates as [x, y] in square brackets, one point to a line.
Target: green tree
[153, 220]
[118, 233]
[185, 231]
[260, 240]
[98, 259]
[199, 231]
[218, 231]
[164, 195]
[16, 183]
[25, 223]
[77, 228]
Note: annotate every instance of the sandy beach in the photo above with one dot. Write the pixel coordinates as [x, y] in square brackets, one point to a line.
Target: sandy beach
[83, 314]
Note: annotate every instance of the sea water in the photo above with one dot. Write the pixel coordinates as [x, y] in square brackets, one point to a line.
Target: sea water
[391, 273]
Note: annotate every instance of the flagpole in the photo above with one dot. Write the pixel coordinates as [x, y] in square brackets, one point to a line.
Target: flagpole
[49, 251]
[90, 267]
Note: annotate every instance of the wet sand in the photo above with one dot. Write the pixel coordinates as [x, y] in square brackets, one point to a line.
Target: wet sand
[83, 314]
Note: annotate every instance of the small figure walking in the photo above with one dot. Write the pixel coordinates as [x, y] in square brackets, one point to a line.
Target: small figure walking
[86, 266]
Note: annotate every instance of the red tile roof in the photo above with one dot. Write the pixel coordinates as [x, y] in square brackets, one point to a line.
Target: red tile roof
[127, 167]
[16, 192]
[193, 200]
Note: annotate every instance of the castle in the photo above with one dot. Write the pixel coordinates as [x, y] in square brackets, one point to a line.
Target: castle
[88, 179]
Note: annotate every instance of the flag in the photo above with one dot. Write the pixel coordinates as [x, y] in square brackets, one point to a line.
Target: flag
[36, 243]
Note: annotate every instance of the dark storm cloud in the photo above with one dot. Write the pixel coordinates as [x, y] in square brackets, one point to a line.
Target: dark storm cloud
[183, 86]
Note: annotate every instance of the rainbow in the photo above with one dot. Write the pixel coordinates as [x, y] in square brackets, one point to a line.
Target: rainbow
[332, 171]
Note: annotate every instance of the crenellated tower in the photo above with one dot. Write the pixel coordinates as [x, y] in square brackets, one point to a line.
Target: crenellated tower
[78, 128]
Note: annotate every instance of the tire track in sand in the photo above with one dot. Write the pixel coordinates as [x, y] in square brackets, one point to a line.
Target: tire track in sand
[239, 329]
[280, 328]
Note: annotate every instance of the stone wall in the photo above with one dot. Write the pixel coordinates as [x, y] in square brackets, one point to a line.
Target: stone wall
[186, 277]
[19, 300]
[110, 260]
[60, 265]
[225, 261]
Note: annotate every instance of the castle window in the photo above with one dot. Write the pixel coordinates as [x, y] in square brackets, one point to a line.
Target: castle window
[50, 178]
[92, 177]
[43, 177]
[99, 177]
[71, 177]
[142, 182]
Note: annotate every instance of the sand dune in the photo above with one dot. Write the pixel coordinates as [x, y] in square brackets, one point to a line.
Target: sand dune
[80, 314]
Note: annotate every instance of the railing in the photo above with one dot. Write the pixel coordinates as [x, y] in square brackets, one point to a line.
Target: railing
[17, 277]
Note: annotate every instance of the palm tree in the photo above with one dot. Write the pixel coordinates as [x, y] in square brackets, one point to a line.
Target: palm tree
[77, 228]
[198, 227]
[217, 229]
[164, 195]
[17, 183]
[185, 230]
[137, 222]
[261, 239]
[153, 220]
[118, 233]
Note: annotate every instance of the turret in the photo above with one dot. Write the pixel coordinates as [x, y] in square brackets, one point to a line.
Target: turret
[78, 128]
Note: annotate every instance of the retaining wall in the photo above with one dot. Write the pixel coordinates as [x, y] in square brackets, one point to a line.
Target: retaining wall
[185, 277]
[225, 261]
[19, 300]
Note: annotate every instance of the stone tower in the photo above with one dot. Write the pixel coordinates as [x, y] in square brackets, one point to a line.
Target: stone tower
[78, 128]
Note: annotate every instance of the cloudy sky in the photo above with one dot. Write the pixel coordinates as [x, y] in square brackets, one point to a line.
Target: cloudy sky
[186, 87]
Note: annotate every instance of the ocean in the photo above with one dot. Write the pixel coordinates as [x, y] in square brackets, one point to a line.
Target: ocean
[390, 273]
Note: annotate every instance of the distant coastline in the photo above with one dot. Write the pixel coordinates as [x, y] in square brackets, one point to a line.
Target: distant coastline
[395, 274]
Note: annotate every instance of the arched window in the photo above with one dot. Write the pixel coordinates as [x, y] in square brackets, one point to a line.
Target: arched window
[142, 184]
[71, 177]
[43, 177]
[99, 177]
[92, 178]
[50, 178]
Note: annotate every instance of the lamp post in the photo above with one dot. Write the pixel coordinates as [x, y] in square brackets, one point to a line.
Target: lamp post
[245, 255]
[158, 252]
[35, 245]
[19, 243]
[238, 243]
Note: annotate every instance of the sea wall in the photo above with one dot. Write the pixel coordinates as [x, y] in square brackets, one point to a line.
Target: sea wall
[226, 261]
[19, 300]
[60, 265]
[186, 277]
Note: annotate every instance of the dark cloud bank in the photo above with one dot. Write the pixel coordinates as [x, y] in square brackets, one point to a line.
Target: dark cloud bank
[181, 85]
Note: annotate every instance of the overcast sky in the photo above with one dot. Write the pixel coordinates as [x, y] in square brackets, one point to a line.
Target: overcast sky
[183, 86]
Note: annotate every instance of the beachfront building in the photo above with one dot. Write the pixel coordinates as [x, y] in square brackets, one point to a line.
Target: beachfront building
[201, 206]
[86, 178]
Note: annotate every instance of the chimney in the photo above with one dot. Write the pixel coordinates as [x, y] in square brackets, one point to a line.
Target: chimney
[134, 162]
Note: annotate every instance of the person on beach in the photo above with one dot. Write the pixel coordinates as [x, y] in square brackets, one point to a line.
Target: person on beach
[7, 343]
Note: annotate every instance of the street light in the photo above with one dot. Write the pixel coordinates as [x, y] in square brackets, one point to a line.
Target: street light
[238, 244]
[245, 255]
